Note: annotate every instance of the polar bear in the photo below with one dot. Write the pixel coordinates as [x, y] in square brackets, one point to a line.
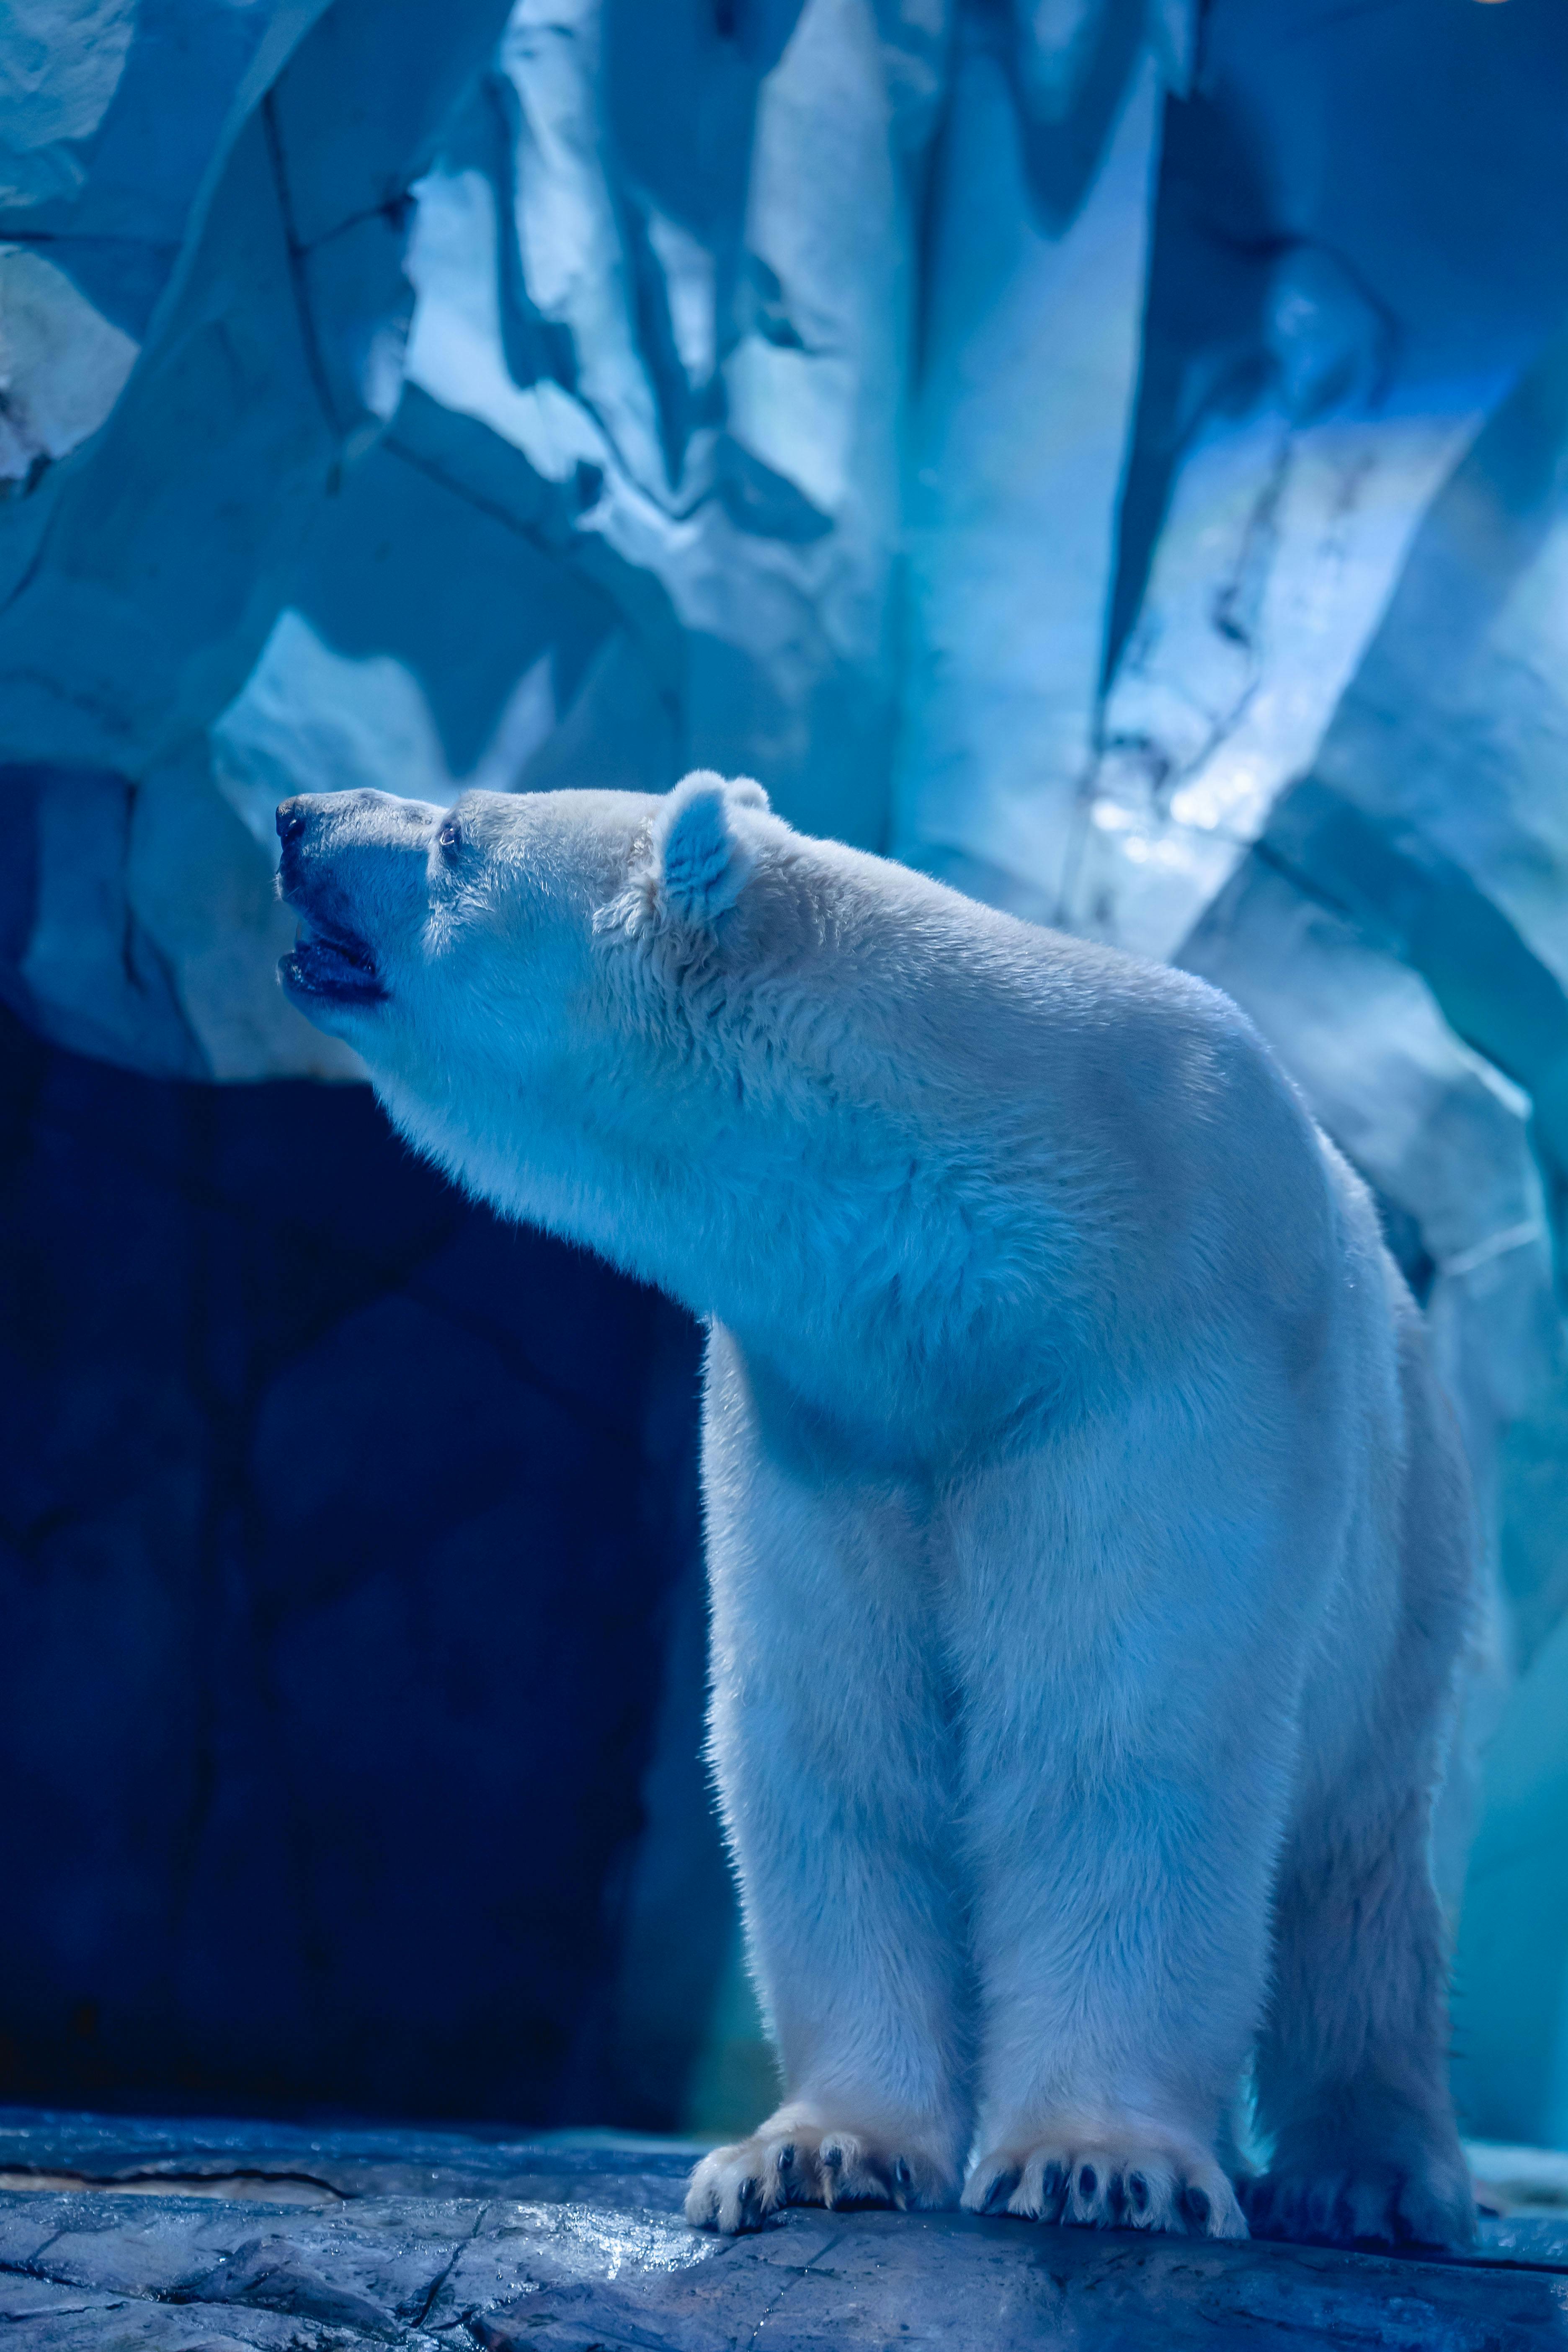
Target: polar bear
[1090, 1548]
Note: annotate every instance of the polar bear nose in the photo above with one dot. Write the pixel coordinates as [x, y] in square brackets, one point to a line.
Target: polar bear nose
[291, 821]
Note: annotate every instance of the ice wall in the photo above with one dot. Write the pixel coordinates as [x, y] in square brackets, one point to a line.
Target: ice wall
[200, 317]
[1114, 460]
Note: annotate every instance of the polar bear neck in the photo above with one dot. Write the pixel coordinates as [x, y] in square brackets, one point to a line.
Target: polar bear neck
[919, 1158]
[832, 1237]
[869, 1209]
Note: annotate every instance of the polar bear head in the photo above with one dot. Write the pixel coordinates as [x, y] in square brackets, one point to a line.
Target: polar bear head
[426, 930]
[412, 917]
[553, 991]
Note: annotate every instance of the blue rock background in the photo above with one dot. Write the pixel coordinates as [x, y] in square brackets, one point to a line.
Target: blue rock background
[1110, 454]
[344, 1531]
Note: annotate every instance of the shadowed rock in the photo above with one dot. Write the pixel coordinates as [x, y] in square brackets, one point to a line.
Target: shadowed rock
[281, 2236]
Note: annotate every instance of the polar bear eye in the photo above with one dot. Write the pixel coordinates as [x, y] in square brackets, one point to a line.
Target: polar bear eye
[450, 838]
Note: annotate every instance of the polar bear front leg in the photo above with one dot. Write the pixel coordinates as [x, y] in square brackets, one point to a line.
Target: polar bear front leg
[794, 2158]
[1129, 1671]
[1121, 1966]
[832, 1743]
[1106, 2171]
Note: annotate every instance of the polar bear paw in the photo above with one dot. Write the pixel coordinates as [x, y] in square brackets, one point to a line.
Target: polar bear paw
[1420, 2202]
[742, 2187]
[1107, 2180]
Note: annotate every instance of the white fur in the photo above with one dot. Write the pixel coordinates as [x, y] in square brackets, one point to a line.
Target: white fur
[1089, 1547]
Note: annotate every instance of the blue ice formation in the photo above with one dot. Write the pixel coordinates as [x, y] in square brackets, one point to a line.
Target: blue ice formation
[1112, 455]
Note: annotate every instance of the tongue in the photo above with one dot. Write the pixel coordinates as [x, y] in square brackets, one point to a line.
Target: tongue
[332, 964]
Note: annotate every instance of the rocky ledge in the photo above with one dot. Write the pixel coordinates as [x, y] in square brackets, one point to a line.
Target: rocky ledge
[222, 2238]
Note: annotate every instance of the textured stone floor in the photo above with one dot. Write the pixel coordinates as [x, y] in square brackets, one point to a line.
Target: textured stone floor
[232, 2238]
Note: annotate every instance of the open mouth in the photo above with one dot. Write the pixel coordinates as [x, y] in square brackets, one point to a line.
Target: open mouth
[331, 963]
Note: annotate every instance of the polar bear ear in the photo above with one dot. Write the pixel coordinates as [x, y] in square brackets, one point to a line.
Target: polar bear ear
[702, 858]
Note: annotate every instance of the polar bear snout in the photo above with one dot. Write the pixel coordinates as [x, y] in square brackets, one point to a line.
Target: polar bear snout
[345, 870]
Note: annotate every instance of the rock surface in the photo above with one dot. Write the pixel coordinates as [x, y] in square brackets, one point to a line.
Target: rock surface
[222, 2237]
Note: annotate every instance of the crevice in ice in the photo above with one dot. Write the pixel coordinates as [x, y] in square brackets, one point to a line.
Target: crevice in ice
[534, 349]
[439, 2280]
[243, 2185]
[496, 509]
[1068, 94]
[298, 253]
[11, 235]
[393, 209]
[654, 335]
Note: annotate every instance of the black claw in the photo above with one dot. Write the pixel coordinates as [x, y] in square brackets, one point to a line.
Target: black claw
[1088, 2181]
[1196, 2201]
[903, 2173]
[1001, 2189]
[1138, 2190]
[832, 2156]
[784, 2160]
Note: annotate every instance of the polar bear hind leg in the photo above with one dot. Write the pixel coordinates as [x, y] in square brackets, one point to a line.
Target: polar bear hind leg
[1352, 2067]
